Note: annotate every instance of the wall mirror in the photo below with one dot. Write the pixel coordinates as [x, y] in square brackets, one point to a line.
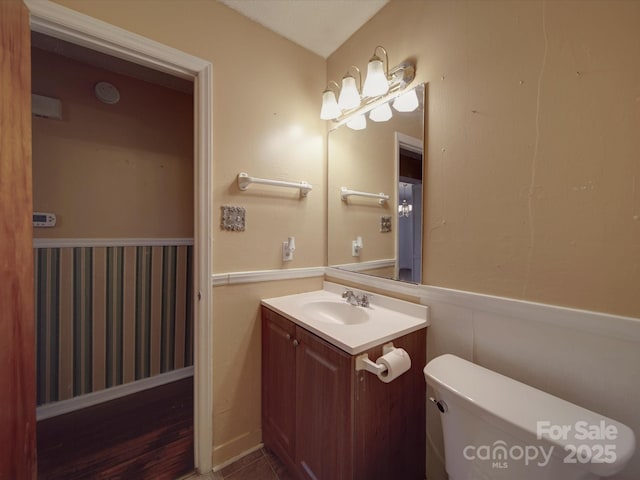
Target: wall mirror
[375, 191]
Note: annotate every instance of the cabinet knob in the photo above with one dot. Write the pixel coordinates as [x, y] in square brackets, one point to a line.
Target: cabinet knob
[296, 343]
[288, 336]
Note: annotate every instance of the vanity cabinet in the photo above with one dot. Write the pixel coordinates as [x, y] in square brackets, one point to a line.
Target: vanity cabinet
[327, 421]
[278, 385]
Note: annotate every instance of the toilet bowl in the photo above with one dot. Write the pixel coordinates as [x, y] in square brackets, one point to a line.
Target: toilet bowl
[497, 428]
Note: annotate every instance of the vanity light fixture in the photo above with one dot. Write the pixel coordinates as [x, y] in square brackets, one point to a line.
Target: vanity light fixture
[407, 102]
[376, 83]
[358, 122]
[349, 93]
[380, 81]
[381, 113]
[330, 108]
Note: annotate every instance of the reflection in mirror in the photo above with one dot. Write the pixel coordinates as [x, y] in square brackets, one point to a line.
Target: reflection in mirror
[409, 230]
[367, 234]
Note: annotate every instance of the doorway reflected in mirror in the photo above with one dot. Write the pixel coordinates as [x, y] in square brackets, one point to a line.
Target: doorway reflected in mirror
[409, 230]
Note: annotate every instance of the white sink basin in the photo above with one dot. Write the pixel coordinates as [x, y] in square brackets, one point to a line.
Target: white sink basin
[337, 312]
[351, 328]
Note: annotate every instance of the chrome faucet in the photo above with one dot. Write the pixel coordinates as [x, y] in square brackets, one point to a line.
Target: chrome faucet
[356, 300]
[351, 297]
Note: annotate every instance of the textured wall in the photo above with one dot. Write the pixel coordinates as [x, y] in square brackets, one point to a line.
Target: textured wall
[111, 171]
[533, 146]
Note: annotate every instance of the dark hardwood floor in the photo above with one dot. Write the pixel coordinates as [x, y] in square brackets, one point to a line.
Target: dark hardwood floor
[145, 435]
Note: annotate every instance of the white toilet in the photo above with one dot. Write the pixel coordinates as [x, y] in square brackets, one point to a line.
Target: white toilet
[497, 428]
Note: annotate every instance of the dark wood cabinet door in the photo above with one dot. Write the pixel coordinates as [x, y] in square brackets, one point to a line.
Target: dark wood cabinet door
[278, 384]
[326, 421]
[390, 424]
[324, 409]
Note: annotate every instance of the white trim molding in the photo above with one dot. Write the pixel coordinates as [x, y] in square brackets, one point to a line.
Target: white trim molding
[236, 278]
[203, 341]
[54, 409]
[66, 24]
[226, 463]
[109, 242]
[370, 265]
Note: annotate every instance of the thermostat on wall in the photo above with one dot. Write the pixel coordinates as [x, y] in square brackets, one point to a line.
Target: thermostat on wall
[44, 219]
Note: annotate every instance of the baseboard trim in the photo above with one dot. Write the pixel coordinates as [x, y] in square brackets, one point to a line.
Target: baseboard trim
[83, 401]
[226, 463]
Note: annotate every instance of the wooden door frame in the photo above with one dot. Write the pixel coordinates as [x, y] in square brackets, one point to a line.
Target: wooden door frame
[17, 336]
[66, 24]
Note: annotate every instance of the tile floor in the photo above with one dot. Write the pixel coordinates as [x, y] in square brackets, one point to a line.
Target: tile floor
[259, 465]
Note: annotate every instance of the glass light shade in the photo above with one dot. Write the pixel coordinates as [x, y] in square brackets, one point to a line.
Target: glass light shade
[330, 109]
[381, 113]
[358, 122]
[406, 102]
[349, 97]
[376, 82]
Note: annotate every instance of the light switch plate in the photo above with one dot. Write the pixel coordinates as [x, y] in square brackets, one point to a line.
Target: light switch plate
[385, 224]
[233, 218]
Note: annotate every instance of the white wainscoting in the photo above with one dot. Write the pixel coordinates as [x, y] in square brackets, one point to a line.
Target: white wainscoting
[589, 358]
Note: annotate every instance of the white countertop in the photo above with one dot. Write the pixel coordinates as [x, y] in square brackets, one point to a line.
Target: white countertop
[389, 318]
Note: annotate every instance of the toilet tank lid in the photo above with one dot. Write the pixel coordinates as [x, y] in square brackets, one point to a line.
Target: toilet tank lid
[533, 411]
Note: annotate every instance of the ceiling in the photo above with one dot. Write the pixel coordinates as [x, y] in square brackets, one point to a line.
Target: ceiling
[318, 25]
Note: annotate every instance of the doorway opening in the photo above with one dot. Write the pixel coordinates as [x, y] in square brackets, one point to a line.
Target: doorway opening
[113, 172]
[65, 24]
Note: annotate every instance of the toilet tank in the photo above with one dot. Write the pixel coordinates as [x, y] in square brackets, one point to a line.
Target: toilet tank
[495, 427]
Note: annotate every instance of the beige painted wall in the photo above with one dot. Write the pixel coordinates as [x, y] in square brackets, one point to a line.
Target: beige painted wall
[533, 144]
[111, 171]
[265, 122]
[266, 99]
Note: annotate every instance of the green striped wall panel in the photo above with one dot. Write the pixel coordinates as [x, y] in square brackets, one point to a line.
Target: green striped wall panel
[110, 315]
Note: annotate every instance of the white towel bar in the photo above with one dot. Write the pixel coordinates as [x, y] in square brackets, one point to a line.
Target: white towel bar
[346, 193]
[244, 180]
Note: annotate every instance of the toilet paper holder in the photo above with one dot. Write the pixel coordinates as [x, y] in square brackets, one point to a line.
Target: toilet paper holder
[363, 362]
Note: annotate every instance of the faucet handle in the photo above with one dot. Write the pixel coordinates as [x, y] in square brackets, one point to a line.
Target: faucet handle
[364, 300]
[347, 293]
